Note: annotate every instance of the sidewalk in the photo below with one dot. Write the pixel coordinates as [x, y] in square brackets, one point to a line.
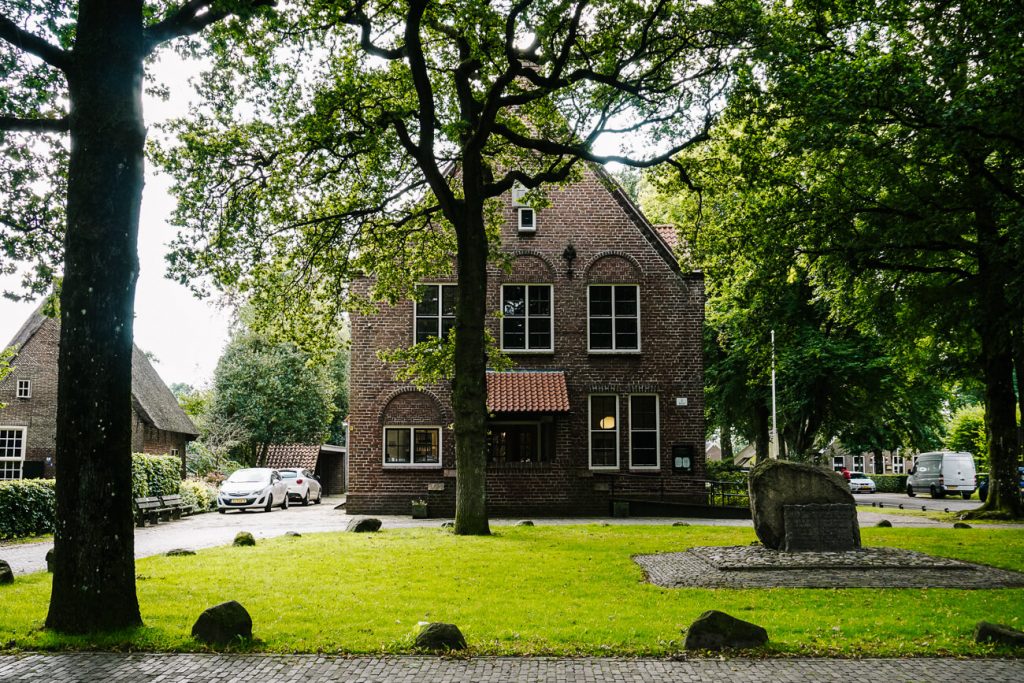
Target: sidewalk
[198, 668]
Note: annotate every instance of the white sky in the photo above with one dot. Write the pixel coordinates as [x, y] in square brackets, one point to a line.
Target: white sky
[185, 335]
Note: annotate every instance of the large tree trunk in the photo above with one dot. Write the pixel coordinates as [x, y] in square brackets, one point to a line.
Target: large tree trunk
[727, 450]
[762, 432]
[1018, 363]
[94, 574]
[469, 386]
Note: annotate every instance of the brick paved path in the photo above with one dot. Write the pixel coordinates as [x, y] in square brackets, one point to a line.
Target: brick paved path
[160, 668]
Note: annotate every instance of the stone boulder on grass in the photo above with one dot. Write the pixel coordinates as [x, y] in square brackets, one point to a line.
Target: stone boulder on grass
[243, 539]
[716, 630]
[439, 636]
[987, 632]
[223, 624]
[363, 525]
[775, 484]
[6, 573]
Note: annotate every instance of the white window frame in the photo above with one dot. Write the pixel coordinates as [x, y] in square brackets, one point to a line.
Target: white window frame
[412, 448]
[174, 452]
[440, 307]
[897, 461]
[24, 388]
[590, 435]
[657, 433]
[522, 211]
[526, 316]
[615, 349]
[838, 463]
[860, 467]
[20, 460]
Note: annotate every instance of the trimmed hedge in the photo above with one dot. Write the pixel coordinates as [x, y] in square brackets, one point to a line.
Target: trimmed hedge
[155, 475]
[27, 507]
[889, 483]
[199, 495]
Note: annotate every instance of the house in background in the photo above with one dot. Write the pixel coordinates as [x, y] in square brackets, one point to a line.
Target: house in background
[327, 461]
[606, 401]
[28, 423]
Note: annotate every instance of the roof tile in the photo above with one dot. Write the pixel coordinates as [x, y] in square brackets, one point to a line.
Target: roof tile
[527, 392]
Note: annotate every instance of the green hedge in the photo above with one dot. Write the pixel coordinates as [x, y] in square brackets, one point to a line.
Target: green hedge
[27, 507]
[890, 483]
[155, 475]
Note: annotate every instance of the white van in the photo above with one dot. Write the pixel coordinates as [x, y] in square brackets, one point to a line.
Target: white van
[942, 472]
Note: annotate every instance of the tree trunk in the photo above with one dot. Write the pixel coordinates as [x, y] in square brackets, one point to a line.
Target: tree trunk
[727, 451]
[469, 386]
[94, 573]
[762, 432]
[1018, 363]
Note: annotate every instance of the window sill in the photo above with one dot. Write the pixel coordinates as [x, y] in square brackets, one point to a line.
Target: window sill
[608, 468]
[645, 468]
[614, 352]
[529, 352]
[417, 466]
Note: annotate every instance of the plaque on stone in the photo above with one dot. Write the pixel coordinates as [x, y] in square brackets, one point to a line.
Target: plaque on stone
[821, 527]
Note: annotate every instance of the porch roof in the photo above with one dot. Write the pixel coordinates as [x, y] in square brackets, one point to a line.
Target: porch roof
[293, 455]
[527, 392]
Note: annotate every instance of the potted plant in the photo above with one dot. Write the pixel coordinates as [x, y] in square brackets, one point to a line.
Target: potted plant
[419, 509]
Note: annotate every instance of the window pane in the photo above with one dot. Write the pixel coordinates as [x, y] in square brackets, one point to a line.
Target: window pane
[625, 301]
[514, 303]
[449, 294]
[425, 329]
[514, 333]
[426, 303]
[602, 449]
[625, 333]
[645, 448]
[600, 301]
[602, 413]
[514, 443]
[540, 333]
[396, 445]
[601, 333]
[540, 301]
[644, 413]
[427, 446]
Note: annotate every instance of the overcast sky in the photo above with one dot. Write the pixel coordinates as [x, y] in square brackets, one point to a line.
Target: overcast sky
[184, 334]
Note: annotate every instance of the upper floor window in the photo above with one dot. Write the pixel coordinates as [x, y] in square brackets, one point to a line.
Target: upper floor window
[527, 219]
[434, 311]
[526, 318]
[412, 445]
[604, 431]
[613, 317]
[24, 388]
[643, 431]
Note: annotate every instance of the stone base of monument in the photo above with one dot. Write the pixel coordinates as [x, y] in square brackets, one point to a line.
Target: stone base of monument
[820, 527]
[760, 567]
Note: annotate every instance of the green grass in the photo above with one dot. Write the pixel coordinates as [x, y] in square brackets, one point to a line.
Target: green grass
[539, 590]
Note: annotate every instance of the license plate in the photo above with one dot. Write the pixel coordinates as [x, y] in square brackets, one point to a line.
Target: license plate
[238, 501]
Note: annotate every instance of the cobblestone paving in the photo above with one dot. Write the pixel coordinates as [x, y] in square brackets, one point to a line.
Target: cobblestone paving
[759, 567]
[198, 668]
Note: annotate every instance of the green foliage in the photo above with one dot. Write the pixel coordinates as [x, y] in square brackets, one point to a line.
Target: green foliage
[201, 461]
[890, 483]
[27, 507]
[155, 475]
[719, 470]
[966, 432]
[199, 494]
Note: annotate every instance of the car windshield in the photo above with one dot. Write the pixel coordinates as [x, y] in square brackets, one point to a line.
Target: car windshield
[289, 474]
[248, 477]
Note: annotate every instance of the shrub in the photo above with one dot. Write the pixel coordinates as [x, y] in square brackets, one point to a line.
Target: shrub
[890, 483]
[155, 475]
[198, 494]
[27, 507]
[966, 431]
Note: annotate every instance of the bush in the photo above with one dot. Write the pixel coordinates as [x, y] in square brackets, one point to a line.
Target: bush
[966, 431]
[725, 471]
[27, 507]
[199, 495]
[890, 483]
[202, 461]
[155, 475]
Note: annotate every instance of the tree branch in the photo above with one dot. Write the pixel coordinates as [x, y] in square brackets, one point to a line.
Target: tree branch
[189, 19]
[33, 44]
[357, 17]
[14, 123]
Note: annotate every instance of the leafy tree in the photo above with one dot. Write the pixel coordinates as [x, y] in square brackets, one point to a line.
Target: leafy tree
[966, 430]
[381, 135]
[270, 393]
[195, 402]
[71, 174]
[879, 143]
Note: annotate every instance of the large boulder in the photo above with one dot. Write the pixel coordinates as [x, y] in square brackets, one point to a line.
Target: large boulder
[438, 636]
[244, 539]
[987, 632]
[6, 573]
[50, 560]
[775, 484]
[223, 624]
[716, 630]
[363, 525]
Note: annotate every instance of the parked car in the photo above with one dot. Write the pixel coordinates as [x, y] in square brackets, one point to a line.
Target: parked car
[983, 484]
[253, 488]
[942, 472]
[303, 485]
[861, 483]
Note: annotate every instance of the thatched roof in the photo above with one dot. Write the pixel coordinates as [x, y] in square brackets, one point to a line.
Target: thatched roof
[151, 398]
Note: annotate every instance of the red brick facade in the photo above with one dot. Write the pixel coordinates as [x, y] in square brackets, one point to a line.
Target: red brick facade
[613, 244]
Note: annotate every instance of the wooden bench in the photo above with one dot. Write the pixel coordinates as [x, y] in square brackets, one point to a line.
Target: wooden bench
[149, 509]
[176, 506]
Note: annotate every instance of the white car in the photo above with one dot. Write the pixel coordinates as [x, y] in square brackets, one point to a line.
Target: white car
[254, 488]
[303, 485]
[861, 483]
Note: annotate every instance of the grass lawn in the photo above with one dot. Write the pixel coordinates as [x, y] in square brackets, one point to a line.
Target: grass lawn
[530, 590]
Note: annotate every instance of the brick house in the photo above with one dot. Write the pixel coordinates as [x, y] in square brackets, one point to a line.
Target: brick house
[28, 423]
[606, 400]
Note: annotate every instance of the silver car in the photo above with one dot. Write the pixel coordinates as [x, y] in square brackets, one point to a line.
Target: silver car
[254, 488]
[303, 485]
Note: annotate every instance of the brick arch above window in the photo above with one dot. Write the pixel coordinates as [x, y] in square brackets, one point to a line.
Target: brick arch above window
[530, 266]
[613, 266]
[411, 406]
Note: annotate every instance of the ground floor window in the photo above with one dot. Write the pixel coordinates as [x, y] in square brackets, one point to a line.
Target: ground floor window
[838, 462]
[12, 452]
[518, 442]
[897, 464]
[412, 445]
[604, 431]
[858, 463]
[643, 431]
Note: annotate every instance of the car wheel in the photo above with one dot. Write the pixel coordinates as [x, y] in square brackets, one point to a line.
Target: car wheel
[966, 494]
[221, 510]
[936, 492]
[319, 496]
[910, 491]
[270, 502]
[284, 505]
[305, 498]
